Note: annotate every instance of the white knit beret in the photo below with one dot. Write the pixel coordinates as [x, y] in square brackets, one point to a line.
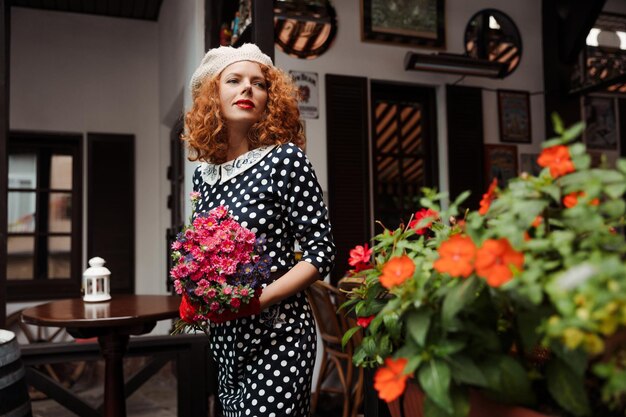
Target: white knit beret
[219, 58]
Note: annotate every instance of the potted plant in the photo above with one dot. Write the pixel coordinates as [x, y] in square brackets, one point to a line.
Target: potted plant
[519, 302]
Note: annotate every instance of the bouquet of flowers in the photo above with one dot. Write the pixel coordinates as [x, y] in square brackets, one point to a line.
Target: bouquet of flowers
[219, 267]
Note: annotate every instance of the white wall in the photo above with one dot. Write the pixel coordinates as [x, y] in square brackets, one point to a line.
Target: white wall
[81, 73]
[349, 56]
[181, 48]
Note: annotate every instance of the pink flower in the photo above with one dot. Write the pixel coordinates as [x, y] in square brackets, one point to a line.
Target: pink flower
[360, 254]
[189, 234]
[215, 306]
[194, 196]
[227, 290]
[235, 302]
[244, 292]
[178, 287]
[219, 212]
[202, 286]
[176, 245]
[211, 293]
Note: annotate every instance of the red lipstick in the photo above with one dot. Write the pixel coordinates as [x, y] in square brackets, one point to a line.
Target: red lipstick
[245, 104]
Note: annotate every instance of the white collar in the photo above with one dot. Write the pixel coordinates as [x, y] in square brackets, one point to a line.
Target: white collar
[212, 173]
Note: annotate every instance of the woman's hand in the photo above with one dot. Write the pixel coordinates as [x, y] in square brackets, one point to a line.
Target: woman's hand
[297, 279]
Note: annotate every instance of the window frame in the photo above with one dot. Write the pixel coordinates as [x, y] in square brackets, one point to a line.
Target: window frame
[40, 286]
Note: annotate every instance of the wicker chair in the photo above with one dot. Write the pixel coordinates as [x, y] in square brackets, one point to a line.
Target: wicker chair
[325, 300]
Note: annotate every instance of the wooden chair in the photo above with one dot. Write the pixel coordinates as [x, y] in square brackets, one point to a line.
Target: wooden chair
[325, 300]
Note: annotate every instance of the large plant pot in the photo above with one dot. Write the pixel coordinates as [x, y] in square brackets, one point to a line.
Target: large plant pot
[411, 404]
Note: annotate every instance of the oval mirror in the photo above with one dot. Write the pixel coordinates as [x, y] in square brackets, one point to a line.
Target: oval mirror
[304, 28]
[491, 34]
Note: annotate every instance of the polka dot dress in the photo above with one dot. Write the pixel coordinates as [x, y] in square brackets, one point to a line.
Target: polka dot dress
[266, 361]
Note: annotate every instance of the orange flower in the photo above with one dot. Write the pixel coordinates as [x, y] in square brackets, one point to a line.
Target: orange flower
[537, 222]
[396, 271]
[488, 197]
[558, 159]
[571, 199]
[456, 256]
[390, 380]
[494, 260]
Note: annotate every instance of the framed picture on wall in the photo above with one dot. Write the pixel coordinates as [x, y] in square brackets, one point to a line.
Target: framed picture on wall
[417, 22]
[514, 116]
[600, 123]
[500, 163]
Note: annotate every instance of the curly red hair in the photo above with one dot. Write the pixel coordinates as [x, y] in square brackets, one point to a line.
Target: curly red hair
[205, 128]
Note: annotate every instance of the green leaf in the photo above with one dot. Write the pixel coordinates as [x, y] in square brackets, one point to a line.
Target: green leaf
[514, 385]
[573, 131]
[369, 345]
[621, 165]
[615, 190]
[460, 404]
[434, 378]
[392, 324]
[557, 123]
[464, 370]
[553, 191]
[418, 322]
[348, 335]
[576, 360]
[567, 388]
[413, 364]
[613, 208]
[459, 297]
[527, 323]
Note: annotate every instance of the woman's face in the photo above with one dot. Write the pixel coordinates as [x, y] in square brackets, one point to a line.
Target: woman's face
[243, 93]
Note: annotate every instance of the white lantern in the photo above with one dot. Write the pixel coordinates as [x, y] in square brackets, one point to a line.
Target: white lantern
[96, 281]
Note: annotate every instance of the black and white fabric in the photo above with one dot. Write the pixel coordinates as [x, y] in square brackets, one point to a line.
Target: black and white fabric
[266, 361]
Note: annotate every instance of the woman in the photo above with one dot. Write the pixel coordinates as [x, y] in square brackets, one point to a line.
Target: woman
[244, 127]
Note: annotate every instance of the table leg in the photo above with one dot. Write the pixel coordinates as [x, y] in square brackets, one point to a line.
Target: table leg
[113, 347]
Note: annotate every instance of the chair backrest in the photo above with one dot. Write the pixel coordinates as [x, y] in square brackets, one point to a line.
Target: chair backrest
[325, 300]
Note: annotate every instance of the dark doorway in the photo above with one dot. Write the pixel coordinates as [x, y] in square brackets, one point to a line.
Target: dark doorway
[111, 206]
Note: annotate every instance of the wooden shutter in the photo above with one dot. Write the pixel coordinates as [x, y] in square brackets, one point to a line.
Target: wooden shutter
[465, 142]
[111, 206]
[348, 165]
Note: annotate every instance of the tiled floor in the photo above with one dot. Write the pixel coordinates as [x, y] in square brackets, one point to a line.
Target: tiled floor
[156, 398]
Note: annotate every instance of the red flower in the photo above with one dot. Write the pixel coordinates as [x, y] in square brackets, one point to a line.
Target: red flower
[186, 310]
[235, 302]
[494, 260]
[360, 254]
[364, 321]
[456, 256]
[396, 271]
[488, 197]
[571, 199]
[390, 380]
[558, 159]
[422, 214]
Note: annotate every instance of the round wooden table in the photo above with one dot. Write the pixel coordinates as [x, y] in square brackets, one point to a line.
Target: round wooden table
[112, 322]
